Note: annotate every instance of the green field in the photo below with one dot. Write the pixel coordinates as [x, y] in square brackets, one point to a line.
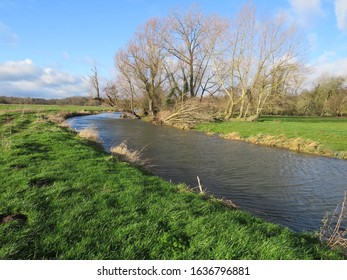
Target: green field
[62, 197]
[49, 108]
[329, 132]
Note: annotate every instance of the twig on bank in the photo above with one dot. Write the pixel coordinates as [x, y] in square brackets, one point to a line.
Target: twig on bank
[200, 186]
[331, 230]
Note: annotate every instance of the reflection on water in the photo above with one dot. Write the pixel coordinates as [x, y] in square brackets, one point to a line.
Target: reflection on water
[291, 189]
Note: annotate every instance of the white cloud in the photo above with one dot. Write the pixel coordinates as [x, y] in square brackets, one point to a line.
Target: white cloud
[52, 77]
[306, 12]
[326, 57]
[336, 67]
[7, 36]
[327, 64]
[24, 78]
[307, 6]
[341, 14]
[18, 70]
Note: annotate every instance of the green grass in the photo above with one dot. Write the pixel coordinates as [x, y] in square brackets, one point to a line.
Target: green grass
[81, 203]
[49, 108]
[329, 132]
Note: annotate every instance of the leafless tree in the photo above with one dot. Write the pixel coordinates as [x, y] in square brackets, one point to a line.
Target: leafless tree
[111, 95]
[141, 65]
[280, 60]
[126, 81]
[234, 60]
[256, 62]
[189, 38]
[95, 92]
[330, 95]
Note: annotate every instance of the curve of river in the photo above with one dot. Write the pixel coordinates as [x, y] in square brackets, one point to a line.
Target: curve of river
[281, 186]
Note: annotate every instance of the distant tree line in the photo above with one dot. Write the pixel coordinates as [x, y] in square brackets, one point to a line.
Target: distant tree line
[191, 67]
[77, 100]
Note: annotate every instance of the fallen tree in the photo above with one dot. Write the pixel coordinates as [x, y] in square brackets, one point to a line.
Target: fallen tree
[187, 114]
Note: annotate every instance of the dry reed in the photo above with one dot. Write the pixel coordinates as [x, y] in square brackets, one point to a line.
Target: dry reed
[129, 155]
[332, 231]
[89, 133]
[295, 144]
[232, 136]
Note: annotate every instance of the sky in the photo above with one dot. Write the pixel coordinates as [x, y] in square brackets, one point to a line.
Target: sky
[47, 48]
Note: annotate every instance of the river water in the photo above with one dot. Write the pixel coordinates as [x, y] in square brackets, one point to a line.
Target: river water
[291, 189]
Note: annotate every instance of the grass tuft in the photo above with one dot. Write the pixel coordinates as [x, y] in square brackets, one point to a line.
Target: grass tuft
[232, 136]
[89, 133]
[129, 155]
[332, 231]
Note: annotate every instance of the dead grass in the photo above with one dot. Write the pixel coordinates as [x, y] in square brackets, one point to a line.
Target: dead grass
[332, 231]
[341, 155]
[232, 136]
[60, 117]
[64, 124]
[129, 155]
[294, 144]
[90, 133]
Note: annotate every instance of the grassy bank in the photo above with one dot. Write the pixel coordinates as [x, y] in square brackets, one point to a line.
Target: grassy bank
[63, 197]
[49, 108]
[321, 136]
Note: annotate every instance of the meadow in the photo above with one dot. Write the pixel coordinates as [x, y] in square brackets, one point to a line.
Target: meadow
[316, 135]
[37, 108]
[64, 197]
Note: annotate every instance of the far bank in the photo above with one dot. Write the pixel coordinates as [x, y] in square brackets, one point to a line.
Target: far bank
[313, 135]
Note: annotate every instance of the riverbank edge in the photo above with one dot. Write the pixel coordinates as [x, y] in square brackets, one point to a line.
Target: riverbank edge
[98, 146]
[298, 144]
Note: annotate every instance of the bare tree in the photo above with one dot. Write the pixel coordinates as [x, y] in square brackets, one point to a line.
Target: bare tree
[190, 37]
[126, 80]
[329, 95]
[234, 60]
[279, 60]
[111, 95]
[143, 58]
[95, 92]
[256, 62]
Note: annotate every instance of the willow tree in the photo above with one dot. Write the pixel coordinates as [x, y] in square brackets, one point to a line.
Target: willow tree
[234, 60]
[189, 38]
[256, 61]
[329, 95]
[140, 63]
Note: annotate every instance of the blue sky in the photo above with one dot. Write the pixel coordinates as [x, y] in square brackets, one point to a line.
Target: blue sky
[47, 48]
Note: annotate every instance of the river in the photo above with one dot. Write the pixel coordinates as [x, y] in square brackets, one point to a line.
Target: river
[291, 189]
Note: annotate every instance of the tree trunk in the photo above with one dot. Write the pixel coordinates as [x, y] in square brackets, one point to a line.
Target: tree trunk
[241, 108]
[150, 107]
[229, 111]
